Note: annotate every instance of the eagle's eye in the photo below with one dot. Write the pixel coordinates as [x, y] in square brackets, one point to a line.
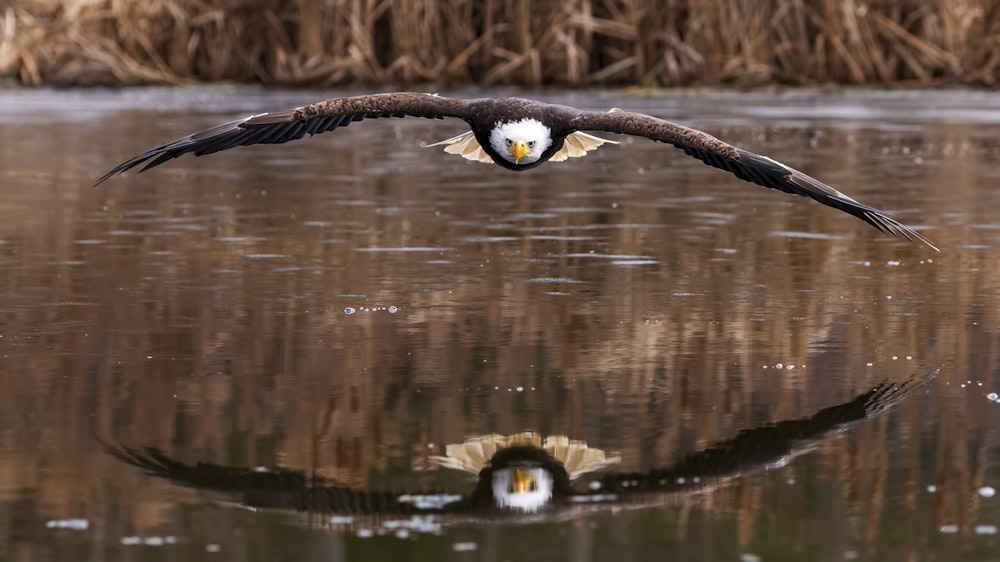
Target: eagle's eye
[509, 142]
[510, 489]
[532, 487]
[531, 144]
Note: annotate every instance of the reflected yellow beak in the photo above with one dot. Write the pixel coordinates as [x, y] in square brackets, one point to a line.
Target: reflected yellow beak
[522, 480]
[518, 150]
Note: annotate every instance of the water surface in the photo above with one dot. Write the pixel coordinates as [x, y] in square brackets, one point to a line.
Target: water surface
[350, 304]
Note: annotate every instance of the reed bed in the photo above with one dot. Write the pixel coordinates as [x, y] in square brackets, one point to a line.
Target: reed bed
[322, 43]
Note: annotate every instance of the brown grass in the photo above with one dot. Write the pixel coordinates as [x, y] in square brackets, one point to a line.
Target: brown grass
[488, 42]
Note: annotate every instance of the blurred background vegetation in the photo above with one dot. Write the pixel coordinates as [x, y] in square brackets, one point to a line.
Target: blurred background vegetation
[321, 43]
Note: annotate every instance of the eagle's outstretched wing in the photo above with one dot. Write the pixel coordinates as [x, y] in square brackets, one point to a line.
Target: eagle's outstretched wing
[272, 488]
[293, 124]
[751, 450]
[744, 164]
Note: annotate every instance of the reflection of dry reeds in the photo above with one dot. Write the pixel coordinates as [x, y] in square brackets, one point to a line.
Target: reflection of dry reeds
[572, 42]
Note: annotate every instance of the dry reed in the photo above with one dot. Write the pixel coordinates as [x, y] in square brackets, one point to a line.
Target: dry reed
[488, 42]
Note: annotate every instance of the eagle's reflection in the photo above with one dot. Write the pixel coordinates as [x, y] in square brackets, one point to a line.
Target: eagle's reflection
[524, 477]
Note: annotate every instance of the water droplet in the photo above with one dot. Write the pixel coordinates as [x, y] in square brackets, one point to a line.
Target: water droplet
[393, 310]
[987, 492]
[349, 310]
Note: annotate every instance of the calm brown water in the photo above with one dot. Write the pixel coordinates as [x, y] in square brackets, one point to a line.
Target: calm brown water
[350, 304]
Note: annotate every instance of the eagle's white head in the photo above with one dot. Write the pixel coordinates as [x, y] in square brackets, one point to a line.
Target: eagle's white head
[521, 142]
[527, 489]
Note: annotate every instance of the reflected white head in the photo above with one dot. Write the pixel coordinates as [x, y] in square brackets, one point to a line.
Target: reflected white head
[525, 489]
[521, 142]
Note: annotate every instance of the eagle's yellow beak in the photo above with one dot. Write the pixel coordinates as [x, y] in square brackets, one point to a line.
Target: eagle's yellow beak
[522, 480]
[518, 149]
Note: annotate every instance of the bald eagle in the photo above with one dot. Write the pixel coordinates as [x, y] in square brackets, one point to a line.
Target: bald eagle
[517, 134]
[522, 477]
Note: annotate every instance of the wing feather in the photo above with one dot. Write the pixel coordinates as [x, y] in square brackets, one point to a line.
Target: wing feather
[746, 165]
[466, 146]
[293, 124]
[578, 144]
[276, 488]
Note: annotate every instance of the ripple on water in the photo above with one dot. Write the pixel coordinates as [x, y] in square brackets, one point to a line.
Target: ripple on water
[403, 249]
[552, 280]
[528, 216]
[606, 256]
[242, 238]
[265, 256]
[149, 541]
[629, 263]
[391, 309]
[558, 238]
[806, 235]
[487, 239]
[71, 524]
